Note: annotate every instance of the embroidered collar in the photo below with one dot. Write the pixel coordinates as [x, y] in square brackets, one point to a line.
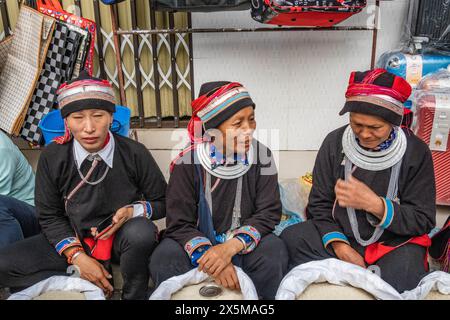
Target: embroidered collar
[382, 146]
[218, 159]
[107, 153]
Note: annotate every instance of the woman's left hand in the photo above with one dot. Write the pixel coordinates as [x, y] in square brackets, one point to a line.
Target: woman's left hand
[218, 257]
[122, 215]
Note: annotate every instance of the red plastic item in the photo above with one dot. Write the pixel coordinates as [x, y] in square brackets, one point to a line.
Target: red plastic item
[313, 19]
[441, 159]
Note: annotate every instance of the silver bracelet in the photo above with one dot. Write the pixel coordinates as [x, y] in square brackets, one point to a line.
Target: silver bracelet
[243, 242]
[76, 255]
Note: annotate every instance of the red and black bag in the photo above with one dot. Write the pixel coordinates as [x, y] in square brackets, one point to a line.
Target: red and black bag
[305, 12]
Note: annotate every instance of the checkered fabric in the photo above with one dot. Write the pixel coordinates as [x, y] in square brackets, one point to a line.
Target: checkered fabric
[74, 42]
[5, 44]
[80, 52]
[22, 68]
[82, 56]
[58, 58]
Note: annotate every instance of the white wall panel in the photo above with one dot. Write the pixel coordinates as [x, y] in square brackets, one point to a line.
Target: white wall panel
[297, 79]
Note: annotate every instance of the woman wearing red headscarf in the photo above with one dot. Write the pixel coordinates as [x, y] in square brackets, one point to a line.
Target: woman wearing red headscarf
[223, 200]
[373, 195]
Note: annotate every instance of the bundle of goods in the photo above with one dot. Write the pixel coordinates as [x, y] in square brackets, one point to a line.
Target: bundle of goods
[294, 194]
[425, 49]
[432, 105]
[197, 285]
[48, 48]
[305, 12]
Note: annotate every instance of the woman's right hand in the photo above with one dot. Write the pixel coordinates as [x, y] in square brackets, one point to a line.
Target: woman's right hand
[228, 278]
[95, 272]
[346, 253]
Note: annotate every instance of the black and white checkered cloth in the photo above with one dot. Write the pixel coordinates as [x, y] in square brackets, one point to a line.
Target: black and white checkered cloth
[58, 65]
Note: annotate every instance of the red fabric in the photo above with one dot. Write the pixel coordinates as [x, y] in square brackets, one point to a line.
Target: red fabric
[426, 109]
[66, 137]
[376, 251]
[106, 140]
[100, 249]
[314, 19]
[200, 103]
[407, 118]
[401, 90]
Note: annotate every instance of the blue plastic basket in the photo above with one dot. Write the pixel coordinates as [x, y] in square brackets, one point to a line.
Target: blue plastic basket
[52, 125]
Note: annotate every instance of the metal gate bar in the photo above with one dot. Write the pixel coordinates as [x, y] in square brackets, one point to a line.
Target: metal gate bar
[173, 57]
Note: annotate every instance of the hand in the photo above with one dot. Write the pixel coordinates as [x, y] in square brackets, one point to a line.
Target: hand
[346, 253]
[122, 215]
[93, 271]
[218, 257]
[228, 278]
[355, 194]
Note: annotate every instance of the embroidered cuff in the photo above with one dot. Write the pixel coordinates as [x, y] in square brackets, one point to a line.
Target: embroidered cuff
[334, 236]
[138, 210]
[196, 243]
[142, 209]
[388, 214]
[198, 253]
[66, 243]
[250, 235]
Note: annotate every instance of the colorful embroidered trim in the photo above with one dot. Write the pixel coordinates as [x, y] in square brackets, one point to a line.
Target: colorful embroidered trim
[195, 243]
[388, 213]
[218, 159]
[148, 209]
[251, 232]
[334, 236]
[198, 253]
[67, 243]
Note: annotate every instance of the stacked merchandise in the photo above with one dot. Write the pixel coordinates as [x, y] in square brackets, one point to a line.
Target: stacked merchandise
[305, 12]
[425, 47]
[20, 73]
[412, 67]
[279, 12]
[66, 45]
[432, 105]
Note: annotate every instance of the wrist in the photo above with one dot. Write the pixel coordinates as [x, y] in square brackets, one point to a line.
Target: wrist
[376, 207]
[236, 246]
[74, 254]
[338, 246]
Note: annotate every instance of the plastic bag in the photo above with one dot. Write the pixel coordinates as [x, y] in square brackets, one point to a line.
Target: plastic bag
[342, 273]
[169, 287]
[294, 194]
[58, 284]
[438, 81]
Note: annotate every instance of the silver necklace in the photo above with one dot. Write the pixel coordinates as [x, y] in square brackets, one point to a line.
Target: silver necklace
[373, 160]
[223, 172]
[96, 159]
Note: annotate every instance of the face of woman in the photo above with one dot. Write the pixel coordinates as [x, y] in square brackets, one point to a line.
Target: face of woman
[370, 130]
[90, 128]
[237, 131]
